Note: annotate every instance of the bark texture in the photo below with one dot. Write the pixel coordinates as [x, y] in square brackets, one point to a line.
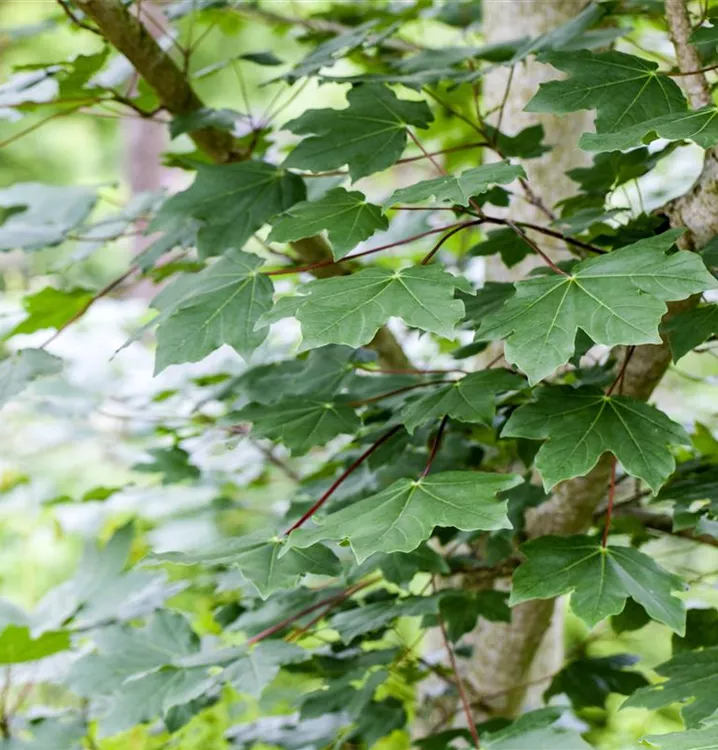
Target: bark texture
[507, 657]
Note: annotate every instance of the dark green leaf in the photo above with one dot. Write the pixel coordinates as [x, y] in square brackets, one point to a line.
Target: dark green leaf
[617, 298]
[599, 579]
[403, 515]
[690, 328]
[368, 136]
[351, 309]
[347, 216]
[511, 246]
[232, 201]
[582, 424]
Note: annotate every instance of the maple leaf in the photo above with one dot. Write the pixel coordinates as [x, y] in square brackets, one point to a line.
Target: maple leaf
[581, 424]
[347, 216]
[368, 136]
[617, 298]
[401, 517]
[600, 579]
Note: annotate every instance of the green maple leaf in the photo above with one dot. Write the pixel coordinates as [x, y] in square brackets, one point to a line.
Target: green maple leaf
[22, 368]
[617, 298]
[699, 126]
[692, 680]
[51, 308]
[624, 89]
[301, 423]
[693, 739]
[220, 305]
[470, 399]
[368, 136]
[253, 670]
[588, 682]
[257, 556]
[401, 517]
[232, 201]
[599, 579]
[460, 189]
[511, 246]
[17, 645]
[351, 309]
[580, 425]
[690, 329]
[347, 216]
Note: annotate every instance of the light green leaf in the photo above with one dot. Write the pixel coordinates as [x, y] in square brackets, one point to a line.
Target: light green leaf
[233, 201]
[459, 189]
[470, 399]
[692, 679]
[624, 89]
[368, 136]
[699, 126]
[347, 216]
[617, 298]
[257, 556]
[258, 666]
[403, 515]
[301, 423]
[351, 309]
[694, 739]
[599, 579]
[690, 329]
[22, 368]
[45, 214]
[51, 308]
[220, 305]
[17, 644]
[581, 424]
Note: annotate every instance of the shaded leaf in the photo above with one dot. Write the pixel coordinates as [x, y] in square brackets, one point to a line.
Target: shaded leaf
[368, 136]
[347, 216]
[470, 399]
[258, 557]
[690, 328]
[303, 423]
[232, 201]
[22, 368]
[460, 189]
[624, 89]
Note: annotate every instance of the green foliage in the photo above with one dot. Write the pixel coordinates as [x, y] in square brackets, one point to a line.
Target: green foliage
[299, 534]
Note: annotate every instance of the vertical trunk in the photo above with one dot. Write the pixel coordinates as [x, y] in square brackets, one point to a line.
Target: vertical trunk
[503, 660]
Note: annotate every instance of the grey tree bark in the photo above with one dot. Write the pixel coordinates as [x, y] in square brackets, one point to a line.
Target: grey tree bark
[502, 658]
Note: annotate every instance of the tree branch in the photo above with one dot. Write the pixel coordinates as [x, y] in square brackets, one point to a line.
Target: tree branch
[130, 37]
[689, 63]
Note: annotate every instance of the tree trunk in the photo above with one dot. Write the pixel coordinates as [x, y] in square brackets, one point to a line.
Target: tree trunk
[501, 660]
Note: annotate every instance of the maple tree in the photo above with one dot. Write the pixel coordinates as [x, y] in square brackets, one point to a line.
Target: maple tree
[403, 495]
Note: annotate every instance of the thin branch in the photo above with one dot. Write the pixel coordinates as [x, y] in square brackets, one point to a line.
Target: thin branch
[427, 258]
[67, 10]
[459, 682]
[408, 371]
[397, 391]
[336, 599]
[535, 248]
[99, 295]
[323, 263]
[386, 436]
[611, 500]
[503, 104]
[681, 73]
[435, 446]
[622, 372]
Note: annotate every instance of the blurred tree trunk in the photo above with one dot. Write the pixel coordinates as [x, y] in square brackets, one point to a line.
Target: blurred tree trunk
[502, 660]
